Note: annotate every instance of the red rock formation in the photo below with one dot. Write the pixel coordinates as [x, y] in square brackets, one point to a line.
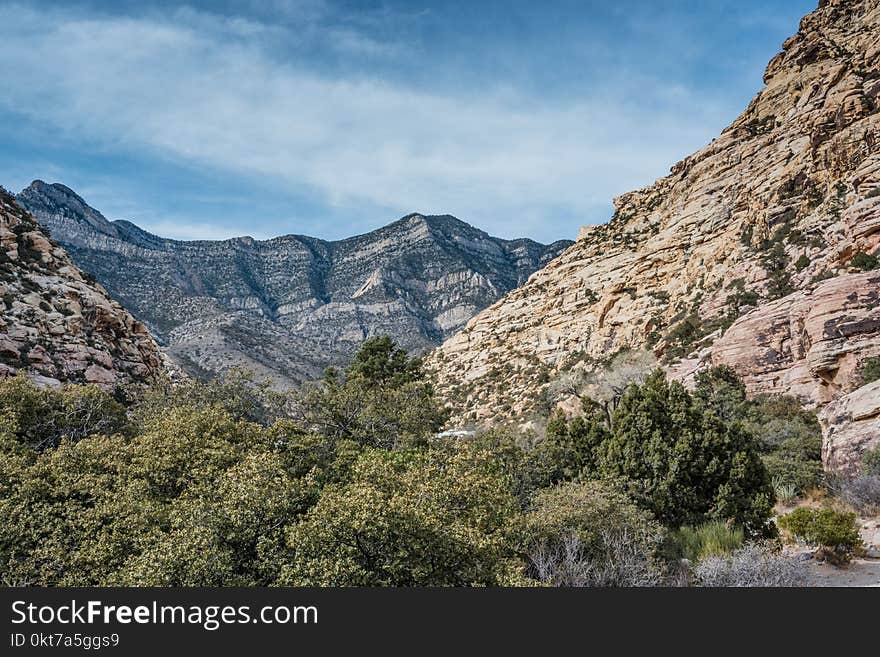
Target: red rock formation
[756, 229]
[56, 324]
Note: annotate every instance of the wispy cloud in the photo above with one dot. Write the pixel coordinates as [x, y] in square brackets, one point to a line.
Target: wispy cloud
[210, 92]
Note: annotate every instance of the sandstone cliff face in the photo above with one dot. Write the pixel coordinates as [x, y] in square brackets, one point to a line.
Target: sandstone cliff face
[740, 256]
[852, 425]
[291, 306]
[58, 325]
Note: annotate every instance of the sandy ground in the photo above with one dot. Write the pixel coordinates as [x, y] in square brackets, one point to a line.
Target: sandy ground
[861, 572]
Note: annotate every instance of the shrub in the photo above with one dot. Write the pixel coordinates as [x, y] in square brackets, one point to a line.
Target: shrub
[778, 278]
[871, 461]
[237, 392]
[409, 518]
[864, 261]
[786, 491]
[381, 362]
[790, 440]
[707, 540]
[590, 534]
[683, 336]
[870, 370]
[789, 437]
[834, 533]
[382, 400]
[862, 493]
[752, 565]
[568, 449]
[683, 463]
[41, 417]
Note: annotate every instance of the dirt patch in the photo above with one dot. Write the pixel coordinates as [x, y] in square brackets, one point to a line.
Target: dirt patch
[860, 572]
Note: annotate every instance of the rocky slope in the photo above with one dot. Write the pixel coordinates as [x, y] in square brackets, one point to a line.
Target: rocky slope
[56, 323]
[750, 253]
[290, 306]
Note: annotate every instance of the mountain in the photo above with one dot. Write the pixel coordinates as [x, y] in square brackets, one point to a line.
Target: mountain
[759, 251]
[56, 323]
[289, 307]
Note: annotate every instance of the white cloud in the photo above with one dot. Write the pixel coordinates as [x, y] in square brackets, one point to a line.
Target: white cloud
[210, 93]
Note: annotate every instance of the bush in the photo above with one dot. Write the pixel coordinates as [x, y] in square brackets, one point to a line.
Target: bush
[870, 370]
[871, 461]
[864, 261]
[789, 438]
[590, 534]
[863, 493]
[382, 400]
[707, 540]
[414, 518]
[752, 565]
[40, 417]
[683, 463]
[834, 533]
[785, 491]
[569, 448]
[237, 392]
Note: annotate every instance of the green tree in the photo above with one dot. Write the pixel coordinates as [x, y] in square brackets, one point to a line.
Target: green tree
[720, 390]
[569, 448]
[590, 533]
[684, 463]
[41, 417]
[409, 518]
[237, 392]
[379, 361]
[382, 400]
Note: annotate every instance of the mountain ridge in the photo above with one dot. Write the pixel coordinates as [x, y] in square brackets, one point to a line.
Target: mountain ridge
[741, 256]
[288, 306]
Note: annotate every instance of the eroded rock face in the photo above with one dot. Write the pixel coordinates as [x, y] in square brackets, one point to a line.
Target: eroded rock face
[852, 425]
[291, 306]
[810, 343]
[57, 325]
[741, 255]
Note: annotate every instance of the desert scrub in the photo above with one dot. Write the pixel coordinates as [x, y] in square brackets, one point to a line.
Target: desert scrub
[834, 533]
[711, 539]
[776, 263]
[862, 491]
[786, 491]
[870, 370]
[864, 261]
[683, 336]
[752, 565]
[590, 534]
[871, 461]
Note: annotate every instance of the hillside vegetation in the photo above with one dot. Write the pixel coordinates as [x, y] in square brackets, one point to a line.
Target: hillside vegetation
[347, 482]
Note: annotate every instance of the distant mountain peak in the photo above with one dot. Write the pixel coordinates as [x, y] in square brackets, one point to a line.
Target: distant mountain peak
[289, 306]
[60, 200]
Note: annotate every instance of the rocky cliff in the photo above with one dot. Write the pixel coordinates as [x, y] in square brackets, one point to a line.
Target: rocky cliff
[290, 306]
[757, 251]
[56, 323]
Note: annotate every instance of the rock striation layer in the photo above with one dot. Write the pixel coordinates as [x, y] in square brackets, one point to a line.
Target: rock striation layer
[290, 306]
[750, 253]
[56, 323]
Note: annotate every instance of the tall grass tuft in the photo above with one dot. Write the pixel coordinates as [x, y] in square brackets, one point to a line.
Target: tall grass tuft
[707, 540]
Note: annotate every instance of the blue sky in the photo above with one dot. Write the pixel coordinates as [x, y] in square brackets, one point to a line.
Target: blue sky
[215, 119]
